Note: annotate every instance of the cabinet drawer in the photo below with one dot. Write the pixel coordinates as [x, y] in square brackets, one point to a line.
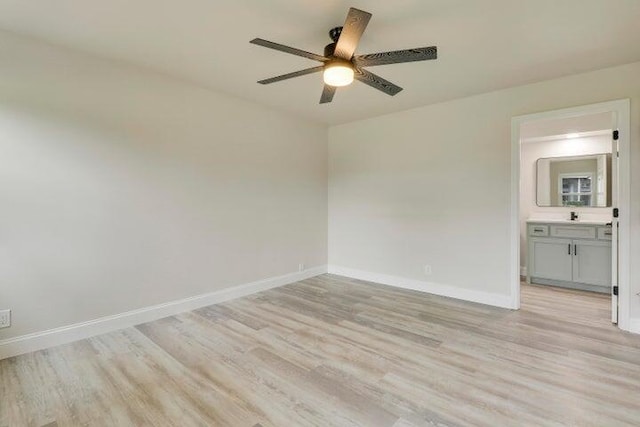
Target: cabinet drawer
[573, 232]
[604, 233]
[538, 230]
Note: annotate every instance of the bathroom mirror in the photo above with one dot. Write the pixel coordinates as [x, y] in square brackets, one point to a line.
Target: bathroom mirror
[574, 181]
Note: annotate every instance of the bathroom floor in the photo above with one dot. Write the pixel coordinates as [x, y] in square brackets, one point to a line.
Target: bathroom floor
[568, 305]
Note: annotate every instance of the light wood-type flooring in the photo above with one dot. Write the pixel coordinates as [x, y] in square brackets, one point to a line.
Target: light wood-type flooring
[331, 351]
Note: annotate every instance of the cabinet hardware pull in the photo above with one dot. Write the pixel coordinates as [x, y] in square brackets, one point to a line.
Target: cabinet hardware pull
[575, 249]
[569, 247]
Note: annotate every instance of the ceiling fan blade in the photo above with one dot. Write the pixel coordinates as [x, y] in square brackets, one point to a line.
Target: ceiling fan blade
[352, 30]
[396, 56]
[327, 94]
[287, 49]
[376, 82]
[291, 75]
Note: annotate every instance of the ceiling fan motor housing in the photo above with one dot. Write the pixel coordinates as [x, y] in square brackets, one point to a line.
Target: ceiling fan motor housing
[329, 50]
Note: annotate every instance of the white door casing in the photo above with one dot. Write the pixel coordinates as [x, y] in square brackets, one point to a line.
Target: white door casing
[615, 225]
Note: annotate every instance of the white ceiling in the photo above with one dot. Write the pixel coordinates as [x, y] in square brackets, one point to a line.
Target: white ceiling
[483, 45]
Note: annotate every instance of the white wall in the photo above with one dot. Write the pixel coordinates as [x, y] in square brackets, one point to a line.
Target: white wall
[432, 185]
[120, 188]
[530, 152]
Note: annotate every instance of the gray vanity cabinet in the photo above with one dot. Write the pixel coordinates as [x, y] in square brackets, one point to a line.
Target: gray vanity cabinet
[550, 258]
[568, 255]
[592, 262]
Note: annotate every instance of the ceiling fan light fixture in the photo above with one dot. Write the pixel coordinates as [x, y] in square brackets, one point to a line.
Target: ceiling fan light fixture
[338, 74]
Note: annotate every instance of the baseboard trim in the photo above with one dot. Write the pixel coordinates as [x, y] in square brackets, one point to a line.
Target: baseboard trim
[497, 300]
[523, 271]
[66, 334]
[572, 285]
[634, 325]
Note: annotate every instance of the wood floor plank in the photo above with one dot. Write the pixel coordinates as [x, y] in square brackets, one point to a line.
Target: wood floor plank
[334, 351]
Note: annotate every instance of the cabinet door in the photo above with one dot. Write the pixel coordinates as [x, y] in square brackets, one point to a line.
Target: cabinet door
[551, 258]
[592, 262]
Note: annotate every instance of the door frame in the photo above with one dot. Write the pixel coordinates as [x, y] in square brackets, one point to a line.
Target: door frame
[622, 111]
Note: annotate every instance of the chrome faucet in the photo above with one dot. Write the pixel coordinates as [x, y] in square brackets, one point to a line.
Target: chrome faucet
[574, 216]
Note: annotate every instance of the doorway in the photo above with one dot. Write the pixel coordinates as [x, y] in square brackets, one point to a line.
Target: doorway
[573, 164]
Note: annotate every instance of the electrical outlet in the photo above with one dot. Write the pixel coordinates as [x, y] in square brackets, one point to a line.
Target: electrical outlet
[300, 267]
[5, 318]
[427, 270]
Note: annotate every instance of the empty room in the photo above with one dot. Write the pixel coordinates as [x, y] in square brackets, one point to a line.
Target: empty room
[319, 213]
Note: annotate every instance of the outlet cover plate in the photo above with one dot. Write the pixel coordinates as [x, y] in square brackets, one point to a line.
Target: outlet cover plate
[5, 318]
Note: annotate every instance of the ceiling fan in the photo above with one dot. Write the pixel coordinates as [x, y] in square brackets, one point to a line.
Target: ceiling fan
[341, 66]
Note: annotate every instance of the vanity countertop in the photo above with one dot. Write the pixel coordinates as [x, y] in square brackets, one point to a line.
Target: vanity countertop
[566, 221]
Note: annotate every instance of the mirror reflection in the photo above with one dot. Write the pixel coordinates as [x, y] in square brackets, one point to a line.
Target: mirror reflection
[574, 181]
